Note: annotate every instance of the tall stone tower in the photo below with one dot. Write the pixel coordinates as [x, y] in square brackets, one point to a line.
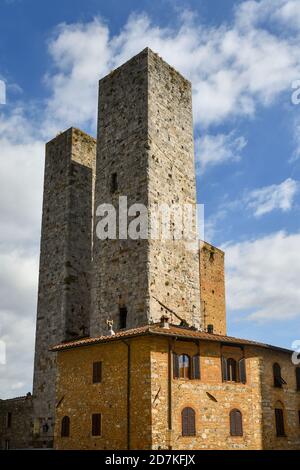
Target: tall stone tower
[65, 263]
[145, 152]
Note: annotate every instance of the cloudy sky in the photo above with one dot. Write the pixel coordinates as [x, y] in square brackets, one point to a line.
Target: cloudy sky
[243, 58]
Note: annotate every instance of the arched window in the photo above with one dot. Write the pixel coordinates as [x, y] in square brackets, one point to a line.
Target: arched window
[279, 419]
[298, 378]
[188, 422]
[236, 423]
[65, 426]
[184, 366]
[231, 370]
[278, 381]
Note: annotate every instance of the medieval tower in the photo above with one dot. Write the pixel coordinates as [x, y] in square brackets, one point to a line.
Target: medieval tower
[145, 152]
[65, 263]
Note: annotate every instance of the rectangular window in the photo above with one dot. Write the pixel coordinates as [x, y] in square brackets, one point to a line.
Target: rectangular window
[114, 183]
[8, 420]
[123, 317]
[196, 367]
[97, 372]
[96, 424]
[175, 366]
[298, 378]
[279, 422]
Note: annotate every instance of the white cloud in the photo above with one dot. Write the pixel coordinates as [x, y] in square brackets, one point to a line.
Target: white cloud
[266, 199]
[263, 277]
[21, 180]
[233, 68]
[216, 149]
[18, 287]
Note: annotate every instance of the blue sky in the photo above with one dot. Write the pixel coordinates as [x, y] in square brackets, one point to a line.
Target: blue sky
[242, 58]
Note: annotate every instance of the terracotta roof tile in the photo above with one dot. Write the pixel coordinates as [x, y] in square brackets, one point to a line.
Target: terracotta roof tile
[157, 330]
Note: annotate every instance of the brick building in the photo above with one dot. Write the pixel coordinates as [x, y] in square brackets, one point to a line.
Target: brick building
[131, 343]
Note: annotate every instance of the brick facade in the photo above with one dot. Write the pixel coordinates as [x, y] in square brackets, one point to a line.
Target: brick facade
[157, 399]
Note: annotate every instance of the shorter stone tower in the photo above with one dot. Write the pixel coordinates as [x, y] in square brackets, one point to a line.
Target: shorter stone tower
[65, 263]
[212, 288]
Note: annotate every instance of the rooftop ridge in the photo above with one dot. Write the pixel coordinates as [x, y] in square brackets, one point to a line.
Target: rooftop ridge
[156, 330]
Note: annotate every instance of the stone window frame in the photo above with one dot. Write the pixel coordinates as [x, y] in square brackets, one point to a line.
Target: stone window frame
[194, 367]
[240, 370]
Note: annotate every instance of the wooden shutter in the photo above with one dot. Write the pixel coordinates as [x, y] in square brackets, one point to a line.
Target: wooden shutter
[188, 422]
[298, 378]
[242, 370]
[196, 367]
[175, 366]
[96, 424]
[97, 372]
[236, 423]
[224, 369]
[277, 375]
[279, 422]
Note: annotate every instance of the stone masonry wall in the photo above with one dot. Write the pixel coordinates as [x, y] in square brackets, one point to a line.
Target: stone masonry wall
[174, 263]
[288, 396]
[18, 433]
[120, 266]
[212, 288]
[65, 262]
[145, 142]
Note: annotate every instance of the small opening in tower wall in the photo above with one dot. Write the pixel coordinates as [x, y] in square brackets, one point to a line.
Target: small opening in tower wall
[114, 183]
[123, 317]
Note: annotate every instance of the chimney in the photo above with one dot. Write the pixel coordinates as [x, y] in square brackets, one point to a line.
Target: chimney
[164, 322]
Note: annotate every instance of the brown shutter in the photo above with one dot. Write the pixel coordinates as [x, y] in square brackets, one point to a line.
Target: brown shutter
[188, 422]
[97, 372]
[224, 369]
[196, 367]
[277, 375]
[279, 422]
[236, 423]
[96, 424]
[175, 366]
[242, 370]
